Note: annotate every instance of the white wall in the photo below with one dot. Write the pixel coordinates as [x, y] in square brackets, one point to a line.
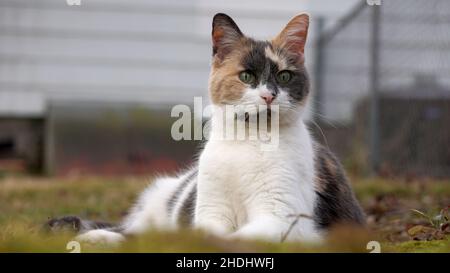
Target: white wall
[153, 51]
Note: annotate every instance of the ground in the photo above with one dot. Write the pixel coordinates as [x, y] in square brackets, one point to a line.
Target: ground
[27, 202]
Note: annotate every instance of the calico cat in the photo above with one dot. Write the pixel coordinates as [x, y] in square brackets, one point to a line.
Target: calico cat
[238, 190]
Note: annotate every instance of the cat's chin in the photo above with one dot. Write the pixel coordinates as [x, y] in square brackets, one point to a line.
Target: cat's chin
[257, 116]
[283, 118]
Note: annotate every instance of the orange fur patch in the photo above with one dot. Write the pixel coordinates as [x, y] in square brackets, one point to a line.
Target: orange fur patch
[224, 84]
[293, 36]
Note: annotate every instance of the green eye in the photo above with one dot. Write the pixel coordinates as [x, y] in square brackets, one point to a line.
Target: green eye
[246, 77]
[284, 76]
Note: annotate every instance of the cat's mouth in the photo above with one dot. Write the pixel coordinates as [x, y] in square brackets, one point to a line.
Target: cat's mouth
[259, 115]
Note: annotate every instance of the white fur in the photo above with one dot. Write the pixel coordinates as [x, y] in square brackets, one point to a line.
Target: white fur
[242, 190]
[151, 207]
[246, 192]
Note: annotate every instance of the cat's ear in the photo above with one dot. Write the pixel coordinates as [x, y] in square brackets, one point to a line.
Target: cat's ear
[293, 36]
[225, 33]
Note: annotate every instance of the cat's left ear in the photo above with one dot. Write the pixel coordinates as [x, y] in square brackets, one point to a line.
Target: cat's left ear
[225, 34]
[293, 36]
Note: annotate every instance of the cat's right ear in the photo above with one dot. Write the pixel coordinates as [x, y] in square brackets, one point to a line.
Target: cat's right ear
[225, 34]
[293, 36]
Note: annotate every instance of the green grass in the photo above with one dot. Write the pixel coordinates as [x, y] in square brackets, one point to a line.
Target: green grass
[438, 246]
[27, 202]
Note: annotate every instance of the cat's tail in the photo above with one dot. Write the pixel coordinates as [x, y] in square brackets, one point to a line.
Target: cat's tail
[76, 224]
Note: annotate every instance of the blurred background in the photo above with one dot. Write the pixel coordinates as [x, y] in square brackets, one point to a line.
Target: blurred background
[88, 89]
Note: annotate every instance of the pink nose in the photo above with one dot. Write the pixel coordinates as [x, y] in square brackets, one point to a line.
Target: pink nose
[268, 98]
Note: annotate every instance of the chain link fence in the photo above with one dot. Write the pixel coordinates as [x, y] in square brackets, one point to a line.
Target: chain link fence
[383, 76]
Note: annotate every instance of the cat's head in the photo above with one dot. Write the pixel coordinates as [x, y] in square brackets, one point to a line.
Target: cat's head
[251, 72]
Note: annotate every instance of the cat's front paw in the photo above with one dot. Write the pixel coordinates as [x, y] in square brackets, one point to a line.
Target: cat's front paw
[256, 234]
[101, 237]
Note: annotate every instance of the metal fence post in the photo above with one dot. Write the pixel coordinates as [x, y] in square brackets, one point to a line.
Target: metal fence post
[49, 141]
[374, 89]
[318, 69]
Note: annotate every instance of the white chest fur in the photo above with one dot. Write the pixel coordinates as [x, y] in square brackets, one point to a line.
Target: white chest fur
[249, 192]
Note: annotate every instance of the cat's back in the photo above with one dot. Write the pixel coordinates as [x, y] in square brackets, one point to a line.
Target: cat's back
[336, 202]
